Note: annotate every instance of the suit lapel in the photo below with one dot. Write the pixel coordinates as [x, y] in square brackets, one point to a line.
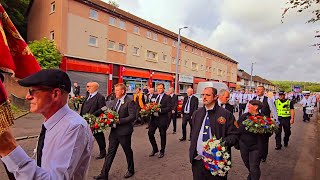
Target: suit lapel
[200, 121]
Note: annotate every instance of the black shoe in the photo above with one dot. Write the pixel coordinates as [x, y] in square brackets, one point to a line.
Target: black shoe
[263, 160]
[285, 144]
[100, 177]
[182, 139]
[161, 155]
[278, 148]
[153, 153]
[128, 174]
[101, 156]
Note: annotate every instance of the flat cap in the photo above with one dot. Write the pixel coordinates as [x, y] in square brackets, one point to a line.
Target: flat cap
[54, 78]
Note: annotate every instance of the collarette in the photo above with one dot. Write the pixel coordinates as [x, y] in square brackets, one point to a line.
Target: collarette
[54, 119]
[212, 109]
[122, 99]
[93, 94]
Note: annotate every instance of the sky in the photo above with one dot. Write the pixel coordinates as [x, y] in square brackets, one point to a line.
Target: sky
[248, 31]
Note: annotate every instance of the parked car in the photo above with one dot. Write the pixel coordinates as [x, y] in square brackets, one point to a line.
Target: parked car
[180, 102]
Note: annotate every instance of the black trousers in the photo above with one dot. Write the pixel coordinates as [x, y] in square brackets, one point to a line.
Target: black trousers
[251, 159]
[101, 142]
[264, 148]
[305, 115]
[242, 108]
[76, 106]
[201, 173]
[153, 126]
[185, 119]
[173, 117]
[114, 141]
[285, 124]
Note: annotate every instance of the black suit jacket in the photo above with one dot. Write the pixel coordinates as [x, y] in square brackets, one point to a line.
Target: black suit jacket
[93, 105]
[227, 130]
[76, 91]
[174, 102]
[148, 100]
[127, 115]
[194, 102]
[229, 107]
[165, 107]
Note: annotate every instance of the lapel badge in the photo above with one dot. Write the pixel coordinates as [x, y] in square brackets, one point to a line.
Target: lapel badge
[221, 120]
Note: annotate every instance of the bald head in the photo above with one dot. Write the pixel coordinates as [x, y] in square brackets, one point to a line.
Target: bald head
[94, 86]
[151, 90]
[189, 91]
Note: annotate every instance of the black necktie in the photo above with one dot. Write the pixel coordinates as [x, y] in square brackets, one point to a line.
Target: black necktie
[40, 145]
[158, 99]
[118, 105]
[206, 129]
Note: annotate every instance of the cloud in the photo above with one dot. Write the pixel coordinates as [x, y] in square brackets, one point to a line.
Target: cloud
[247, 31]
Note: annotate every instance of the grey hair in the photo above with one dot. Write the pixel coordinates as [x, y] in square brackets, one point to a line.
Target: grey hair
[223, 91]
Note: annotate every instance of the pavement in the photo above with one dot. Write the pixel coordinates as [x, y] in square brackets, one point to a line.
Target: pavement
[296, 162]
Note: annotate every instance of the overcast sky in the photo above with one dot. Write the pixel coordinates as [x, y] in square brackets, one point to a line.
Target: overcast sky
[245, 30]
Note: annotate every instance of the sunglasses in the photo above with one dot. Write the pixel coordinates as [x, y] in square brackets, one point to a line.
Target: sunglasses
[32, 91]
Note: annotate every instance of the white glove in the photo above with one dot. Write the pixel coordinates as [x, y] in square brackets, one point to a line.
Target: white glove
[156, 114]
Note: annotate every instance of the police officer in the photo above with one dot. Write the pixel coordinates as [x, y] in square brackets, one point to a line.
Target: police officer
[285, 112]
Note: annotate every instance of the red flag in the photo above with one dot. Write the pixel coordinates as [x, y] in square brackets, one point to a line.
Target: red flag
[15, 56]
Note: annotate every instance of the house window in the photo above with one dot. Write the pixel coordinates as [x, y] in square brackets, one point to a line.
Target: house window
[121, 47]
[148, 34]
[135, 51]
[112, 21]
[164, 58]
[192, 50]
[136, 29]
[122, 24]
[111, 45]
[194, 66]
[151, 55]
[155, 36]
[52, 35]
[53, 7]
[93, 14]
[93, 41]
[165, 40]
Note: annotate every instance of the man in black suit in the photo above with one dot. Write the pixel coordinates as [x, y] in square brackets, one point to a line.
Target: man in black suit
[92, 105]
[160, 120]
[190, 105]
[174, 109]
[223, 100]
[76, 92]
[122, 133]
[221, 125]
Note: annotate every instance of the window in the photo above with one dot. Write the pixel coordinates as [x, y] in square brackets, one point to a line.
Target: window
[135, 51]
[186, 47]
[192, 50]
[121, 47]
[122, 24]
[93, 41]
[111, 45]
[52, 35]
[164, 58]
[93, 14]
[151, 55]
[136, 29]
[174, 43]
[165, 40]
[219, 72]
[155, 36]
[202, 67]
[53, 7]
[148, 34]
[194, 66]
[185, 63]
[112, 21]
[209, 69]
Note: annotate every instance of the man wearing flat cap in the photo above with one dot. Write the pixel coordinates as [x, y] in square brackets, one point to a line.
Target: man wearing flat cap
[65, 142]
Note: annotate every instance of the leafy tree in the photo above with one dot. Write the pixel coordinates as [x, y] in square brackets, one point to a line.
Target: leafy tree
[46, 53]
[302, 5]
[16, 10]
[288, 85]
[113, 3]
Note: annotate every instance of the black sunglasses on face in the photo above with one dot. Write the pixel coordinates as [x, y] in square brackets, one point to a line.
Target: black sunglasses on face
[32, 91]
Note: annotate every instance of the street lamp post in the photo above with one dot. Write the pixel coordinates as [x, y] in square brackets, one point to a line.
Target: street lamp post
[177, 60]
[251, 75]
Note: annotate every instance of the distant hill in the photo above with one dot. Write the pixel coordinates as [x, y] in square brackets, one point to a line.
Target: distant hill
[288, 85]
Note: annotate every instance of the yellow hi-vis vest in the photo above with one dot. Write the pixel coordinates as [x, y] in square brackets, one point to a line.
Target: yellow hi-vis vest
[141, 104]
[283, 111]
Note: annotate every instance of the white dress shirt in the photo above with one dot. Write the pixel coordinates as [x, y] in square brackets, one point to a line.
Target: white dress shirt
[306, 102]
[271, 104]
[66, 153]
[200, 142]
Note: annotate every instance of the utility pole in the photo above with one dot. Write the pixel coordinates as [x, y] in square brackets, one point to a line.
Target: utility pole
[177, 61]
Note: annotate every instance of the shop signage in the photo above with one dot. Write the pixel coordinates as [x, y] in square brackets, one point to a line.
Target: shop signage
[185, 78]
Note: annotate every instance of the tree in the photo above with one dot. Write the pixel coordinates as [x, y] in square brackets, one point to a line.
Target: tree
[113, 3]
[302, 5]
[16, 10]
[46, 53]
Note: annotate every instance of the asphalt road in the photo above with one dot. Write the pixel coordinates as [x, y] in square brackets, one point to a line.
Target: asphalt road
[296, 162]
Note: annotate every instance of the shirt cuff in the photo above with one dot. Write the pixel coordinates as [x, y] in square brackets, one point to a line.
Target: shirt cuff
[15, 159]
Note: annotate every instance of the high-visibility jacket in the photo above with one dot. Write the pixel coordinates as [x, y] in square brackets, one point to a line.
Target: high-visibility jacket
[283, 108]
